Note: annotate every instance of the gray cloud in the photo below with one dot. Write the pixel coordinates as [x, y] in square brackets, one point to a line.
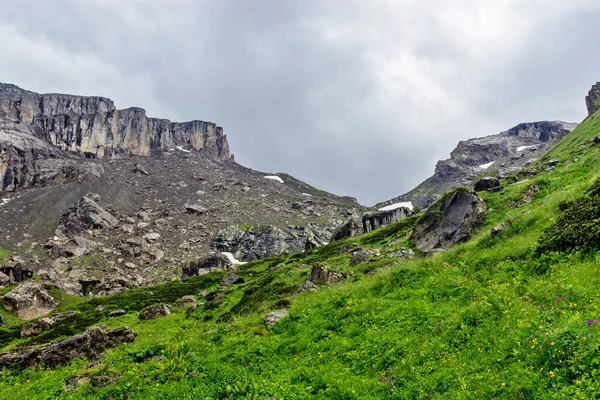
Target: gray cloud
[360, 98]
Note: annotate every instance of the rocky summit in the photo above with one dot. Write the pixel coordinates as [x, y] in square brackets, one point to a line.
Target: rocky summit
[497, 155]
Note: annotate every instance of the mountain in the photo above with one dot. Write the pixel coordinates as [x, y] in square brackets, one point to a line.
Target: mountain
[93, 194]
[484, 295]
[497, 155]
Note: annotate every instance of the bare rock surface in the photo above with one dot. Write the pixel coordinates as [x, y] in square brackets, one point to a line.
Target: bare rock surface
[29, 300]
[449, 221]
[322, 274]
[154, 312]
[275, 316]
[90, 344]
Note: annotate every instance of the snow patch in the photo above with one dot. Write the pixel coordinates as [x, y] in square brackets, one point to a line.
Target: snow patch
[183, 150]
[232, 258]
[521, 148]
[275, 178]
[395, 206]
[306, 194]
[486, 166]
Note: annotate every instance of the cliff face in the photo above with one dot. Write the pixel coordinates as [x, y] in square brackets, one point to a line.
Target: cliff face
[94, 128]
[591, 99]
[502, 154]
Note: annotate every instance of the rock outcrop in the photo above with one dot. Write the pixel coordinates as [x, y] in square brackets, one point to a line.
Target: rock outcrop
[592, 98]
[94, 128]
[322, 274]
[153, 312]
[89, 344]
[28, 301]
[502, 154]
[375, 221]
[451, 220]
[86, 214]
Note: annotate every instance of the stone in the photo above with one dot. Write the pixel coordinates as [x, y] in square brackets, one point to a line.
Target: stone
[154, 312]
[152, 236]
[348, 230]
[4, 280]
[499, 228]
[28, 301]
[116, 313]
[486, 184]
[86, 214]
[36, 327]
[527, 197]
[22, 272]
[275, 316]
[360, 257]
[232, 279]
[141, 169]
[321, 274]
[185, 301]
[403, 252]
[90, 344]
[213, 262]
[451, 220]
[307, 285]
[195, 209]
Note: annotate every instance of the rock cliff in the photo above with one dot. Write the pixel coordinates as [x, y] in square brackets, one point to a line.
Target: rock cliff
[592, 98]
[502, 154]
[94, 128]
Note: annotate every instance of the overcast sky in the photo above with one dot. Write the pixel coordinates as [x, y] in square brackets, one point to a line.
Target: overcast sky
[359, 98]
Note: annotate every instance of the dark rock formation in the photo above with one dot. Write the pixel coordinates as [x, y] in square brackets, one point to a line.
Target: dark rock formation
[154, 312]
[349, 229]
[89, 344]
[232, 279]
[382, 218]
[213, 262]
[592, 98]
[22, 272]
[486, 184]
[28, 301]
[94, 128]
[509, 152]
[451, 220]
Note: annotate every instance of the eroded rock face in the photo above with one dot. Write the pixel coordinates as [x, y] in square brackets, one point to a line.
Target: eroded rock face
[28, 301]
[591, 99]
[94, 128]
[89, 344]
[451, 220]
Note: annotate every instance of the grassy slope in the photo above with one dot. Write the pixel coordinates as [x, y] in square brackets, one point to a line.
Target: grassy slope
[486, 319]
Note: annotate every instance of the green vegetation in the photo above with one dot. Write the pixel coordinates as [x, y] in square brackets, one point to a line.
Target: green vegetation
[492, 318]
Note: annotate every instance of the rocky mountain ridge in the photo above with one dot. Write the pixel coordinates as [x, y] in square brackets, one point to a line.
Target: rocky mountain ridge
[95, 128]
[501, 155]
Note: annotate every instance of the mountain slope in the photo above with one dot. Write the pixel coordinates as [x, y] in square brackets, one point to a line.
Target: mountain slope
[503, 154]
[489, 318]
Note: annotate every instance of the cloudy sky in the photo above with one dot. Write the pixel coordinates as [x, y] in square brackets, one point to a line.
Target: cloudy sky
[358, 97]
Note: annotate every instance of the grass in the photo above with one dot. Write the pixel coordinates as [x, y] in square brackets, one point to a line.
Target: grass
[491, 318]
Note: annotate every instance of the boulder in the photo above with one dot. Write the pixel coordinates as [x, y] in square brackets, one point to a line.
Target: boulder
[451, 220]
[349, 229]
[232, 279]
[76, 247]
[486, 184]
[89, 344]
[321, 274]
[360, 257]
[185, 301]
[195, 209]
[154, 312]
[116, 313]
[86, 214]
[307, 285]
[141, 169]
[36, 327]
[499, 228]
[213, 262]
[4, 280]
[275, 316]
[28, 301]
[22, 272]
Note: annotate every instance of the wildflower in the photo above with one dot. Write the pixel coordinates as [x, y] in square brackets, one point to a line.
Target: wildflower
[559, 299]
[590, 322]
[552, 374]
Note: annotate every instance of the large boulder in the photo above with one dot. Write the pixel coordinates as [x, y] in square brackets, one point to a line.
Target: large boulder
[251, 244]
[451, 220]
[213, 262]
[486, 183]
[28, 301]
[86, 214]
[154, 312]
[321, 274]
[89, 344]
[349, 229]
